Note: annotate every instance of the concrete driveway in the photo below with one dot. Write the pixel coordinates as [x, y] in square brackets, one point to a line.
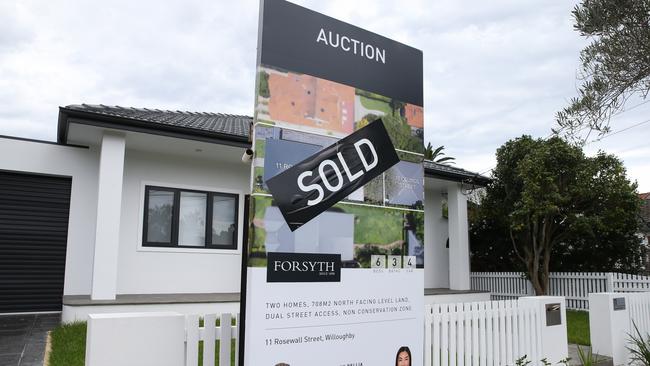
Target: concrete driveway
[23, 337]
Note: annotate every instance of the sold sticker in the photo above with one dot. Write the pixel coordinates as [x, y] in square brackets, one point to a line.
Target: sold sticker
[323, 179]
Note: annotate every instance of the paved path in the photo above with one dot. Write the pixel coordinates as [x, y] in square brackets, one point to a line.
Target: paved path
[575, 358]
[23, 337]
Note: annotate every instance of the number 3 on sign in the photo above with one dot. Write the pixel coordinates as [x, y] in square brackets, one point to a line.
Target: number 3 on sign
[394, 261]
[378, 261]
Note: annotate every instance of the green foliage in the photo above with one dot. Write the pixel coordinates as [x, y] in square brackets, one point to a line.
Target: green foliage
[547, 200]
[372, 95]
[260, 148]
[577, 323]
[587, 358]
[400, 134]
[614, 66]
[397, 106]
[437, 156]
[217, 350]
[68, 345]
[364, 253]
[259, 204]
[639, 347]
[398, 130]
[263, 87]
[523, 361]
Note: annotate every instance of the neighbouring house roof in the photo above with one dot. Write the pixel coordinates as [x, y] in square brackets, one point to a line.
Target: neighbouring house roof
[211, 127]
[436, 170]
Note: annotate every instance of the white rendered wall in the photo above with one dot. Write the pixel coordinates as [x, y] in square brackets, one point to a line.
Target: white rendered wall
[436, 255]
[82, 165]
[145, 270]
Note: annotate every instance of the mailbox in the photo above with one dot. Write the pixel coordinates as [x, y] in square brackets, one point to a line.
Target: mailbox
[619, 303]
[553, 314]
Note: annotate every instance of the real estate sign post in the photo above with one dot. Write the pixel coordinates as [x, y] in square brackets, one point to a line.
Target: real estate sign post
[334, 259]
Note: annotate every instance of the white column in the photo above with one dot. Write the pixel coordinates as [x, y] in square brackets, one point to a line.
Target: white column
[458, 239]
[609, 327]
[109, 203]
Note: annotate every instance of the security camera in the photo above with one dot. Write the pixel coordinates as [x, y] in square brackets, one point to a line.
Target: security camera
[247, 157]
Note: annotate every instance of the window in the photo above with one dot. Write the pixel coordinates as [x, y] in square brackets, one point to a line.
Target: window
[189, 219]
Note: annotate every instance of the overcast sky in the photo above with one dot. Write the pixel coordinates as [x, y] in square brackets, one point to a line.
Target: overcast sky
[493, 70]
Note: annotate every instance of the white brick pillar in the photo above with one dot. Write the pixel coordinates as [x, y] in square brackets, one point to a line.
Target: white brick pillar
[458, 239]
[109, 203]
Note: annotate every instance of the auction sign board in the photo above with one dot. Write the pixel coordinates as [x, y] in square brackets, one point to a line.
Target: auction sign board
[334, 262]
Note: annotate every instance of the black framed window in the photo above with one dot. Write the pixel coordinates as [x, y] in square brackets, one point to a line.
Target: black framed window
[189, 218]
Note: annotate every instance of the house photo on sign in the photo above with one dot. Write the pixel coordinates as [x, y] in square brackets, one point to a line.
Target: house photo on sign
[335, 252]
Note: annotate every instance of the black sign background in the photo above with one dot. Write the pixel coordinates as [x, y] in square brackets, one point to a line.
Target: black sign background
[292, 201]
[288, 41]
[303, 276]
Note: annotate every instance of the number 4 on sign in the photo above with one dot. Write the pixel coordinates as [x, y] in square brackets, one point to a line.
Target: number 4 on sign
[410, 261]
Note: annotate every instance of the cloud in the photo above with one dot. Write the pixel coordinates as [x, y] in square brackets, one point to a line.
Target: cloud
[493, 70]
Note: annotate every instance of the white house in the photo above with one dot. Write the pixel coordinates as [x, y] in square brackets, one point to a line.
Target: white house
[76, 234]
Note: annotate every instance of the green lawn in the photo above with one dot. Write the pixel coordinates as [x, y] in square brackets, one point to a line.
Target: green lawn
[578, 327]
[376, 226]
[377, 105]
[69, 346]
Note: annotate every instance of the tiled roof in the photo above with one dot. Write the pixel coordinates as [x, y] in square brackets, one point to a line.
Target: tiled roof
[211, 126]
[433, 169]
[192, 122]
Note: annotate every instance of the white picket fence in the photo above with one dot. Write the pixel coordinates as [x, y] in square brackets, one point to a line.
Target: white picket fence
[209, 333]
[639, 310]
[482, 333]
[574, 286]
[478, 333]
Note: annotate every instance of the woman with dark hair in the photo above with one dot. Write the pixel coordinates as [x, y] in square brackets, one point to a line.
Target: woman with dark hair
[403, 357]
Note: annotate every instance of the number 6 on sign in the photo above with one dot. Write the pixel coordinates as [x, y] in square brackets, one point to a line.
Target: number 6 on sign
[377, 261]
[394, 261]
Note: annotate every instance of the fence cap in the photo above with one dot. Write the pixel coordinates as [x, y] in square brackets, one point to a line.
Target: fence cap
[156, 314]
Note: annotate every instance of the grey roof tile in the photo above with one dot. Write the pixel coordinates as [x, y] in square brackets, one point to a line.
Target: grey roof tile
[229, 124]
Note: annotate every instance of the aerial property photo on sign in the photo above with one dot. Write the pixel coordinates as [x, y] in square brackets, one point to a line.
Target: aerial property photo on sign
[333, 271]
